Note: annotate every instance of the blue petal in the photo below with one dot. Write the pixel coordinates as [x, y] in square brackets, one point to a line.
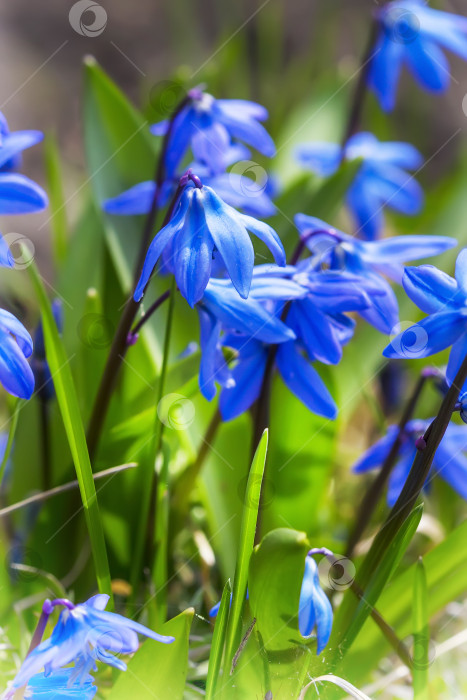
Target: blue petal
[319, 156]
[266, 234]
[16, 142]
[383, 312]
[461, 270]
[250, 131]
[314, 609]
[452, 466]
[315, 331]
[210, 330]
[429, 336]
[430, 289]
[385, 70]
[366, 208]
[136, 200]
[15, 373]
[304, 381]
[242, 192]
[428, 64]
[243, 109]
[399, 153]
[394, 188]
[377, 453]
[456, 358]
[275, 288]
[16, 328]
[405, 248]
[230, 238]
[20, 195]
[209, 143]
[248, 377]
[192, 254]
[159, 242]
[399, 475]
[6, 258]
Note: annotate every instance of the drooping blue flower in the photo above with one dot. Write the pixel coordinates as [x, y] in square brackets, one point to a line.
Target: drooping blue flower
[315, 610]
[15, 346]
[201, 224]
[445, 300]
[381, 180]
[372, 260]
[60, 686]
[208, 126]
[18, 194]
[85, 633]
[413, 34]
[315, 325]
[449, 463]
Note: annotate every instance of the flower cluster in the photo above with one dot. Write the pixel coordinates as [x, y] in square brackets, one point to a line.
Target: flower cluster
[18, 195]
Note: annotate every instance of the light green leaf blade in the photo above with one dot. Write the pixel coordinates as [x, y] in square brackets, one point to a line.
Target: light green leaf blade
[421, 633]
[158, 671]
[218, 641]
[58, 219]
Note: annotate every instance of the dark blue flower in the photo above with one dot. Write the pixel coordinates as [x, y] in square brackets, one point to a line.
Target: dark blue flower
[414, 34]
[18, 194]
[381, 180]
[201, 225]
[59, 686]
[15, 346]
[449, 462]
[315, 610]
[370, 260]
[85, 633]
[209, 125]
[445, 300]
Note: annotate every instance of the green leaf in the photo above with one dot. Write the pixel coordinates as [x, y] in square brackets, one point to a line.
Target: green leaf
[275, 580]
[17, 404]
[69, 407]
[218, 641]
[158, 671]
[353, 611]
[245, 547]
[421, 633]
[57, 220]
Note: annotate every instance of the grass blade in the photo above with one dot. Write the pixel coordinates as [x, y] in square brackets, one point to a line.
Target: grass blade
[421, 634]
[69, 408]
[247, 538]
[58, 220]
[218, 641]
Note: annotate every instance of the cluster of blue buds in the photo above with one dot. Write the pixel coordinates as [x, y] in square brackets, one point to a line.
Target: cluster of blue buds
[84, 634]
[18, 195]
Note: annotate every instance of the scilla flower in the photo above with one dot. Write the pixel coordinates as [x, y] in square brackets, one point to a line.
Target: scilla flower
[412, 34]
[60, 686]
[84, 633]
[381, 180]
[372, 260]
[450, 462]
[201, 224]
[15, 346]
[444, 299]
[18, 194]
[315, 611]
[209, 125]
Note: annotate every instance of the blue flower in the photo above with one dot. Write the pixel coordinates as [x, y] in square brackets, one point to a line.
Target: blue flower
[18, 194]
[209, 125]
[449, 462]
[201, 224]
[315, 611]
[15, 346]
[414, 34]
[250, 327]
[381, 180]
[60, 685]
[445, 300]
[370, 260]
[85, 633]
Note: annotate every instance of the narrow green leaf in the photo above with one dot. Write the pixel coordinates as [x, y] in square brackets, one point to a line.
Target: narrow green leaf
[246, 542]
[161, 538]
[421, 633]
[69, 408]
[218, 641]
[58, 220]
[158, 671]
[354, 611]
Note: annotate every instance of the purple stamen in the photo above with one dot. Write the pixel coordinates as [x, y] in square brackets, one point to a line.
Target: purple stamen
[320, 550]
